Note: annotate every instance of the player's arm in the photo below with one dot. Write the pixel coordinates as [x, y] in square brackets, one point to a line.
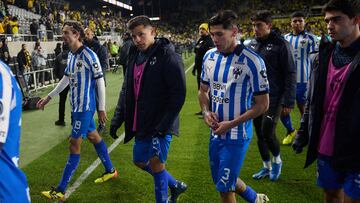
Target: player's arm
[210, 118]
[260, 106]
[100, 85]
[5, 107]
[64, 82]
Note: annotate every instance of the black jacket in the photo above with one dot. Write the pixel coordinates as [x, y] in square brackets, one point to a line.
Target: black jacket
[280, 68]
[100, 51]
[346, 154]
[60, 64]
[202, 46]
[124, 52]
[162, 94]
[21, 59]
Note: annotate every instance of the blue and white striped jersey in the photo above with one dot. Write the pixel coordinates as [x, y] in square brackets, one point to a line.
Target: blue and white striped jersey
[10, 123]
[233, 80]
[83, 69]
[303, 45]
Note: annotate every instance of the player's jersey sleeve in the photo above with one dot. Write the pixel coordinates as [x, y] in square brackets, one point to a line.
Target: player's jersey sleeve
[6, 94]
[95, 65]
[205, 70]
[258, 78]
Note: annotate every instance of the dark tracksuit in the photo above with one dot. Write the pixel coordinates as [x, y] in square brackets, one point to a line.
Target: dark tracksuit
[281, 72]
[60, 65]
[202, 46]
[162, 93]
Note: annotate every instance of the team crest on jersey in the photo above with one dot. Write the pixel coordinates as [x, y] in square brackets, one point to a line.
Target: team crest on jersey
[79, 65]
[303, 42]
[237, 72]
[153, 61]
[269, 47]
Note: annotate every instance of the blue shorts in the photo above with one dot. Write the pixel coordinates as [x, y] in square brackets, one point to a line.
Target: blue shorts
[145, 149]
[226, 159]
[328, 178]
[82, 124]
[301, 93]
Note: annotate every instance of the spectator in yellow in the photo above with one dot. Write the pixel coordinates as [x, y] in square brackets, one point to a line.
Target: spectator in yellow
[14, 25]
[2, 31]
[114, 49]
[30, 4]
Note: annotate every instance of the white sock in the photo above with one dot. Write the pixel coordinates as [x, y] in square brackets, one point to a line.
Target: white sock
[277, 159]
[267, 164]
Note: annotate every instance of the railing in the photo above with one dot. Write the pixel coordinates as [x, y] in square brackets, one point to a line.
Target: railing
[34, 74]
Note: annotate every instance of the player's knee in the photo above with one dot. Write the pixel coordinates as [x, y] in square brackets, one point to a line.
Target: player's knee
[140, 165]
[156, 165]
[94, 137]
[228, 197]
[74, 147]
[333, 195]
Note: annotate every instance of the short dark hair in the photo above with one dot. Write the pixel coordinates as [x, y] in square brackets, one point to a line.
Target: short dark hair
[76, 27]
[351, 8]
[226, 18]
[139, 20]
[298, 14]
[263, 15]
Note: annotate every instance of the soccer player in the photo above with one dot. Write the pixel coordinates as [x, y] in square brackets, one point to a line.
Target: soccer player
[151, 98]
[13, 184]
[83, 74]
[304, 44]
[281, 73]
[331, 122]
[233, 74]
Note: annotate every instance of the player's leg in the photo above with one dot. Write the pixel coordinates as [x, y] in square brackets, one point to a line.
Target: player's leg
[352, 188]
[101, 150]
[162, 178]
[78, 130]
[270, 120]
[263, 149]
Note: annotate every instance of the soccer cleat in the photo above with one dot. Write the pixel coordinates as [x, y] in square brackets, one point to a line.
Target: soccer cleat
[264, 172]
[179, 188]
[261, 198]
[53, 194]
[275, 171]
[107, 176]
[289, 138]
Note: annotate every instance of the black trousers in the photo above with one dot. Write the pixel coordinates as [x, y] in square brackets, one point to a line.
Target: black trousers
[198, 76]
[265, 128]
[63, 96]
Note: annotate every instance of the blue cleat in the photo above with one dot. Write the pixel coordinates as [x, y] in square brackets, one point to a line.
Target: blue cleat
[264, 172]
[179, 188]
[276, 171]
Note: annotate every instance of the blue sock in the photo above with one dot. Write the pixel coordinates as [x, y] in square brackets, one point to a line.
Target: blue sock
[103, 154]
[286, 120]
[249, 195]
[171, 180]
[69, 169]
[161, 186]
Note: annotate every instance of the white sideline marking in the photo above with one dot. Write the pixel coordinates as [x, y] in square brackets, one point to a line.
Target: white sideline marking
[96, 163]
[91, 168]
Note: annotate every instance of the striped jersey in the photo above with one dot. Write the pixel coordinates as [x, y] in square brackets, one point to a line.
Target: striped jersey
[303, 45]
[10, 123]
[233, 80]
[83, 69]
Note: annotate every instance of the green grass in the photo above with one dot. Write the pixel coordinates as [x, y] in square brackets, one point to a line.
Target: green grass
[187, 160]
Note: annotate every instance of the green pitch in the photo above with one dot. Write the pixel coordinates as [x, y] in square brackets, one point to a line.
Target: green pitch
[44, 152]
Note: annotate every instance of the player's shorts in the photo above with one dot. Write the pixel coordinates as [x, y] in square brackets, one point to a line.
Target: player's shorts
[301, 93]
[13, 184]
[330, 179]
[226, 159]
[145, 149]
[82, 124]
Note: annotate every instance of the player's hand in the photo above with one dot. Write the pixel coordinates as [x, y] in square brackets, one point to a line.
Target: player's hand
[210, 119]
[300, 142]
[286, 111]
[42, 102]
[102, 117]
[113, 130]
[223, 127]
